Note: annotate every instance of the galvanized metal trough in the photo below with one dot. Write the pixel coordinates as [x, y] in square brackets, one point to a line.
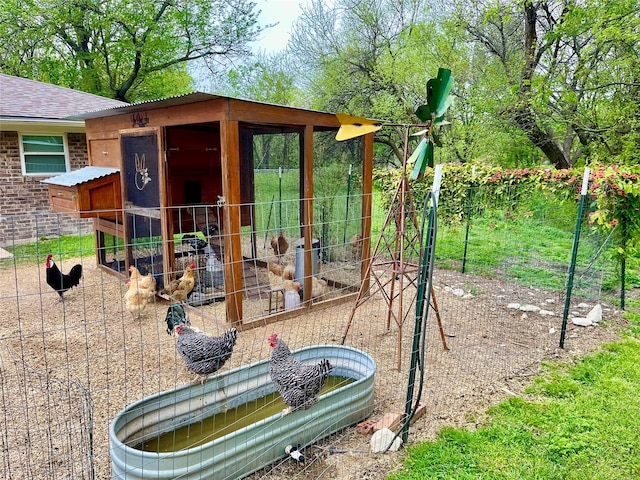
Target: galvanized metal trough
[252, 447]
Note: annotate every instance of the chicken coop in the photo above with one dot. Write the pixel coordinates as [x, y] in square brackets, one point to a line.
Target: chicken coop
[175, 179]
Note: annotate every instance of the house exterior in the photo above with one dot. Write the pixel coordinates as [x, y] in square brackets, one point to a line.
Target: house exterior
[37, 141]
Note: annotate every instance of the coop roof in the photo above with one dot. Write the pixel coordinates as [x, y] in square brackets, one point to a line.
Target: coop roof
[83, 175]
[185, 99]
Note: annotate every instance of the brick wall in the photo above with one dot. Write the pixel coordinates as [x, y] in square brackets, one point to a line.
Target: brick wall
[24, 203]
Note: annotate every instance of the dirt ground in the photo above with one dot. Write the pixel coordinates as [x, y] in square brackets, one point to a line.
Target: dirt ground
[492, 352]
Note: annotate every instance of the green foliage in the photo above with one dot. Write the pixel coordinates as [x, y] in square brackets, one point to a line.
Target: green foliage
[614, 194]
[267, 79]
[124, 50]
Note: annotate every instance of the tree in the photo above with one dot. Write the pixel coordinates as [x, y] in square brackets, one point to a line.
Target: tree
[358, 57]
[124, 50]
[558, 84]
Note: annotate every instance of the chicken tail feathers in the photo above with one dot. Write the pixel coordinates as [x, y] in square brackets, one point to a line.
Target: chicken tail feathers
[75, 274]
[325, 367]
[175, 316]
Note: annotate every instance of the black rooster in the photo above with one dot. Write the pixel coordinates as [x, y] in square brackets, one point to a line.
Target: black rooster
[61, 282]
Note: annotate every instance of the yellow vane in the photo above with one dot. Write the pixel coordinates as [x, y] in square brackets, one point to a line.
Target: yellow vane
[351, 127]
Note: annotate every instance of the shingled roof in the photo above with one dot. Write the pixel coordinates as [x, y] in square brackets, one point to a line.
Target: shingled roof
[22, 98]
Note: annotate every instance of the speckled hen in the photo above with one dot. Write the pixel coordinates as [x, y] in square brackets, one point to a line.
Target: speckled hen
[202, 354]
[299, 384]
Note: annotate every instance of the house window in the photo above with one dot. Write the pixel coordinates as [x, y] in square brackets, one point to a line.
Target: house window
[44, 154]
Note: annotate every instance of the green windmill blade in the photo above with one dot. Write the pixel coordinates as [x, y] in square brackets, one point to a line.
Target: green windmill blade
[428, 156]
[423, 155]
[441, 87]
[438, 100]
[417, 158]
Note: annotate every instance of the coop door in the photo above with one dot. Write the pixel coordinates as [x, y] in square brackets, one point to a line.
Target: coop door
[141, 167]
[142, 176]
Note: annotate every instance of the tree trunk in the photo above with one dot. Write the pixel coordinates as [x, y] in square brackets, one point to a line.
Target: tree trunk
[545, 141]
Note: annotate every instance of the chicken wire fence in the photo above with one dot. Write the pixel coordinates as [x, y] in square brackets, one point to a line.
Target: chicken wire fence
[47, 429]
[69, 368]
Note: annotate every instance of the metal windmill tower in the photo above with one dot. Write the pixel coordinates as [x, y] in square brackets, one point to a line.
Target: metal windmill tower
[393, 266]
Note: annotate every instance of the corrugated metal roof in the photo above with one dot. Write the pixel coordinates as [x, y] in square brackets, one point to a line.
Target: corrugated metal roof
[184, 99]
[83, 175]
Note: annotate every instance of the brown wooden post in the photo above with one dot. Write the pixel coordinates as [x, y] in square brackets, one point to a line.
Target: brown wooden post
[166, 222]
[367, 192]
[307, 221]
[230, 165]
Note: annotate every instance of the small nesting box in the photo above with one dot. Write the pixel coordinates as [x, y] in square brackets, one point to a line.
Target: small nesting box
[86, 192]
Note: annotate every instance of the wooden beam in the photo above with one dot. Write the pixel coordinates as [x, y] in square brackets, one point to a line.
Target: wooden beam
[296, 312]
[307, 208]
[367, 192]
[233, 264]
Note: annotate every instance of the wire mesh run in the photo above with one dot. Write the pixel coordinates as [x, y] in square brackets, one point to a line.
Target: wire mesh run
[47, 429]
[68, 368]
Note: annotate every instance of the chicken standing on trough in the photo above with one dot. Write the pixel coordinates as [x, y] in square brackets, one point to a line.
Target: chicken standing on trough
[279, 245]
[202, 354]
[141, 291]
[180, 289]
[298, 384]
[61, 282]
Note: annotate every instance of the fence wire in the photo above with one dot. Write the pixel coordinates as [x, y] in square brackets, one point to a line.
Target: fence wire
[68, 368]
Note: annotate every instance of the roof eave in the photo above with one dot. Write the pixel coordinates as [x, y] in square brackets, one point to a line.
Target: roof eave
[32, 123]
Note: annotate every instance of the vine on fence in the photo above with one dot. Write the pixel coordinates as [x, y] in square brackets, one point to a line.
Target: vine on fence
[614, 193]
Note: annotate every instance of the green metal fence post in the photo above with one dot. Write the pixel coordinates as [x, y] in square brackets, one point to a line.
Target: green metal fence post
[574, 253]
[423, 296]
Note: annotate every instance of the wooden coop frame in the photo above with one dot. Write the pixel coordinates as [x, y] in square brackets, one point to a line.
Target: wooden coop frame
[200, 136]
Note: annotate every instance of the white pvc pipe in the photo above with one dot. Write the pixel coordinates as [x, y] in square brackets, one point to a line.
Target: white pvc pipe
[437, 179]
[585, 181]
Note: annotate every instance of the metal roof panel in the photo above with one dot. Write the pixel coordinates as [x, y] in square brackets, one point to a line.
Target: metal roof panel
[82, 175]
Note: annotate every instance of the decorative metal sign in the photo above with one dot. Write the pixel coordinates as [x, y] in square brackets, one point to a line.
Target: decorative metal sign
[142, 177]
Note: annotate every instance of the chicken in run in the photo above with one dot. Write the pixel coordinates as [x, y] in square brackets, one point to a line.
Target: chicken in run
[141, 291]
[356, 246]
[298, 384]
[280, 245]
[176, 316]
[180, 289]
[203, 354]
[197, 244]
[211, 230]
[62, 282]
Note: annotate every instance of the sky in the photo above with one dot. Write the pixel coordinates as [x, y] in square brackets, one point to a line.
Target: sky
[282, 12]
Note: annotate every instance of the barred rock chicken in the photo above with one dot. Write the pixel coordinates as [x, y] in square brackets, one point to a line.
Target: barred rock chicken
[196, 243]
[61, 282]
[202, 354]
[279, 245]
[298, 384]
[180, 289]
[211, 230]
[141, 291]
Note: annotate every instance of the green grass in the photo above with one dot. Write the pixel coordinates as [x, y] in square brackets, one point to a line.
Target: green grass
[277, 205]
[62, 247]
[585, 423]
[528, 251]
